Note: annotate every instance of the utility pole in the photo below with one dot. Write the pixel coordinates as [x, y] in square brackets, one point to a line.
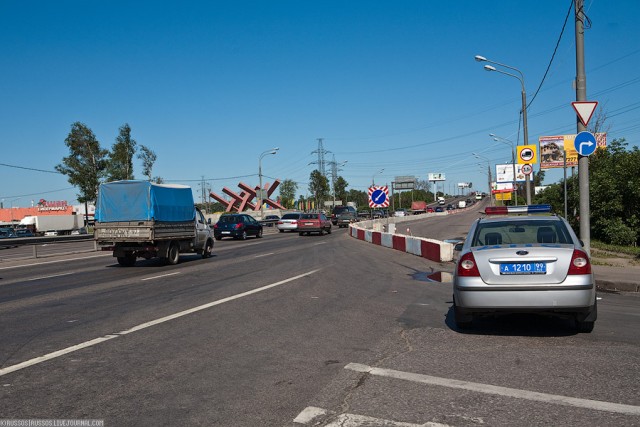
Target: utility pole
[583, 161]
[320, 162]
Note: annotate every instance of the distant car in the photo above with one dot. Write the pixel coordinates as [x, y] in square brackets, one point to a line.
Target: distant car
[314, 223]
[51, 233]
[527, 263]
[430, 209]
[238, 226]
[450, 207]
[289, 222]
[79, 231]
[6, 233]
[377, 214]
[24, 233]
[400, 212]
[439, 209]
[271, 220]
[346, 211]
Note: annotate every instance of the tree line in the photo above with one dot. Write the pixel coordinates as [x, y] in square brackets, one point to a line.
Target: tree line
[88, 164]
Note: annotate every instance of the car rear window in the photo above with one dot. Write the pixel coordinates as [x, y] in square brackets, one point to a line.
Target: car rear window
[230, 219]
[310, 216]
[291, 216]
[519, 232]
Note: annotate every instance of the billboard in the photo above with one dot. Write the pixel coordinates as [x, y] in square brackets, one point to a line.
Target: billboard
[436, 177]
[554, 148]
[404, 183]
[504, 173]
[464, 185]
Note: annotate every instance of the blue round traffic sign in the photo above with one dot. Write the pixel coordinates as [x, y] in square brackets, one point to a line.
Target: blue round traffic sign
[378, 196]
[585, 143]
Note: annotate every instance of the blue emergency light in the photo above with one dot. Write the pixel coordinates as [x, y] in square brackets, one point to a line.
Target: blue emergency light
[506, 210]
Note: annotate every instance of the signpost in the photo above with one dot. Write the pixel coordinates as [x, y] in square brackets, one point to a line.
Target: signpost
[379, 197]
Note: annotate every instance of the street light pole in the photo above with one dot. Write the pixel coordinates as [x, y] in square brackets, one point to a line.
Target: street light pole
[373, 181]
[477, 156]
[513, 161]
[260, 196]
[525, 127]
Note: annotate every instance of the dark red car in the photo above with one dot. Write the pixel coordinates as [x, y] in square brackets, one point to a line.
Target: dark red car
[314, 223]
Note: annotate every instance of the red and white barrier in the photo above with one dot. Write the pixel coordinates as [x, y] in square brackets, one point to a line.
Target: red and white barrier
[434, 250]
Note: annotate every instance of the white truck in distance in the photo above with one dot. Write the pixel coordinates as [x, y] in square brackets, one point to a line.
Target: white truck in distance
[140, 219]
[440, 200]
[60, 224]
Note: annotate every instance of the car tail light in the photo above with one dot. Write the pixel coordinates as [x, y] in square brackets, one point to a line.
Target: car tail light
[467, 266]
[215, 226]
[579, 263]
[238, 226]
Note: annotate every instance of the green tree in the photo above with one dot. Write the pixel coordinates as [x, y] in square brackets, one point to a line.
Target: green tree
[121, 157]
[288, 190]
[614, 195]
[86, 164]
[318, 187]
[340, 188]
[148, 158]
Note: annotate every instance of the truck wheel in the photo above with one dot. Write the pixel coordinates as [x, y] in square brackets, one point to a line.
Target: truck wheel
[174, 254]
[208, 249]
[128, 260]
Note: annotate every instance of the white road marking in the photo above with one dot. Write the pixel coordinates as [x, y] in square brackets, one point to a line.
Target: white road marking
[48, 277]
[49, 262]
[309, 414]
[501, 391]
[161, 276]
[53, 355]
[261, 255]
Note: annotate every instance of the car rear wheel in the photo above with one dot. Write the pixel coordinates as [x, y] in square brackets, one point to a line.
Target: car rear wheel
[586, 324]
[463, 320]
[174, 254]
[243, 236]
[259, 235]
[329, 230]
[321, 232]
[208, 249]
[127, 261]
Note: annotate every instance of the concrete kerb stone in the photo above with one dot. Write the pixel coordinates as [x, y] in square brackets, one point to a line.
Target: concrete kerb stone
[372, 231]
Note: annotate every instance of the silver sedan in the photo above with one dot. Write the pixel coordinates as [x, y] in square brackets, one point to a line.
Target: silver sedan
[525, 263]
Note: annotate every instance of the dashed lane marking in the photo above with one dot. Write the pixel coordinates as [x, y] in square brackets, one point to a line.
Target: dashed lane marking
[95, 341]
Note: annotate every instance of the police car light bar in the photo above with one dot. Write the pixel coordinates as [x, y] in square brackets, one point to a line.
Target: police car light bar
[506, 210]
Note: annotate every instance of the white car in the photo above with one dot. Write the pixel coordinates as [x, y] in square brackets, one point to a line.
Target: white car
[400, 212]
[289, 222]
[523, 264]
[51, 233]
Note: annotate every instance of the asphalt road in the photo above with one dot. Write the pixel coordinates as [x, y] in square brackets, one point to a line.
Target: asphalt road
[287, 328]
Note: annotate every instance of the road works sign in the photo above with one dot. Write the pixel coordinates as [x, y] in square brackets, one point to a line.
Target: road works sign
[379, 197]
[585, 110]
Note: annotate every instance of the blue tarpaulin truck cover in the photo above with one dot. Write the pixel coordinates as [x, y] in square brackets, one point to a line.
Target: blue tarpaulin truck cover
[144, 201]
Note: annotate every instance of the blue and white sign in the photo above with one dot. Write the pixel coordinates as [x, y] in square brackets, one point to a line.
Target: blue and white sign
[585, 143]
[378, 197]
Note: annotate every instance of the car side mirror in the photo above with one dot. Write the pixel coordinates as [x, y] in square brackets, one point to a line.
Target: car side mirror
[458, 246]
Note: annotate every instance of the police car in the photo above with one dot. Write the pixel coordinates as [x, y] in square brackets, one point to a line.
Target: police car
[523, 259]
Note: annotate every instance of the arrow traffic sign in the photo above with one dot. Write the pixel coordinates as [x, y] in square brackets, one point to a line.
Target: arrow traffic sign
[379, 197]
[585, 110]
[585, 143]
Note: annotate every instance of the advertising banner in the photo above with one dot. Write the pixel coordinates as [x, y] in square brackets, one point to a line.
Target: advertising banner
[554, 148]
[436, 177]
[504, 173]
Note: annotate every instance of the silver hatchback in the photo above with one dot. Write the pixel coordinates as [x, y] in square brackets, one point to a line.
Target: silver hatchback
[526, 263]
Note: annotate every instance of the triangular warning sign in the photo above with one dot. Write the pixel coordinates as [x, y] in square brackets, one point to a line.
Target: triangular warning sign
[585, 110]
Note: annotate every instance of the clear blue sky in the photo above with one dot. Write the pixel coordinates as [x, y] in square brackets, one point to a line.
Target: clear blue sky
[210, 85]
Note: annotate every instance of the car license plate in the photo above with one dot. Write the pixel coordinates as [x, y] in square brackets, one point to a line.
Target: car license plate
[308, 223]
[226, 232]
[524, 268]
